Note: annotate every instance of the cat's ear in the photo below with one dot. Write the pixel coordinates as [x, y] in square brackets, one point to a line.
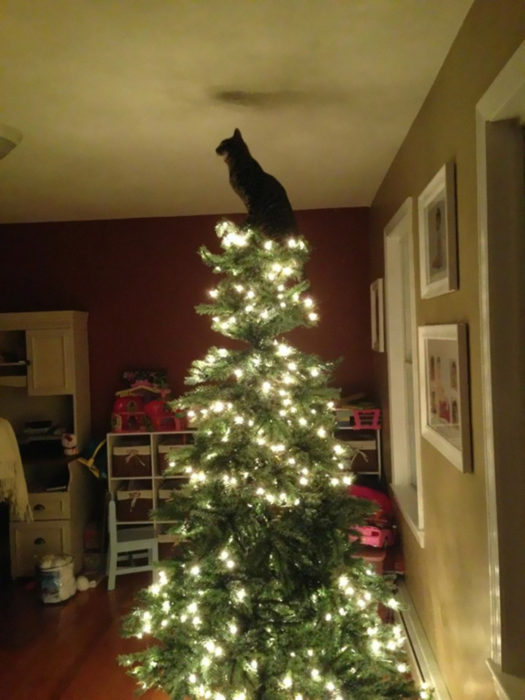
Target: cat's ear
[237, 134]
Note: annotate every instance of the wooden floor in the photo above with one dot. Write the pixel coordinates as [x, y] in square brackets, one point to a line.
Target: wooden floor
[67, 651]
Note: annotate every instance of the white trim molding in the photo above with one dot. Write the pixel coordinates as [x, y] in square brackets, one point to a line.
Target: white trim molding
[423, 663]
[507, 687]
[499, 102]
[399, 252]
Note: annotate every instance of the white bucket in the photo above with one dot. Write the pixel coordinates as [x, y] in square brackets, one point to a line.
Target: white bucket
[56, 578]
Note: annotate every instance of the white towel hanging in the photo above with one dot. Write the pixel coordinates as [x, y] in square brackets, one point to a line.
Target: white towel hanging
[13, 487]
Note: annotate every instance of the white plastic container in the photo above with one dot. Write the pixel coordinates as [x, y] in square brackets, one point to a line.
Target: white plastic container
[56, 578]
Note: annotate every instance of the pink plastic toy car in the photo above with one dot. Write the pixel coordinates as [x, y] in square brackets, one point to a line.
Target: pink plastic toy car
[372, 536]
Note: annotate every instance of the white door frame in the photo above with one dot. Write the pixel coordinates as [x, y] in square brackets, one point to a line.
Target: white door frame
[492, 106]
[410, 499]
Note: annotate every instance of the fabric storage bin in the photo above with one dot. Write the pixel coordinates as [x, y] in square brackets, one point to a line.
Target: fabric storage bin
[168, 548]
[134, 502]
[131, 460]
[168, 487]
[168, 447]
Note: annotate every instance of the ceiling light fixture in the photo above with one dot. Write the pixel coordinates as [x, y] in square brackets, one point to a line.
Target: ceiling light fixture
[9, 138]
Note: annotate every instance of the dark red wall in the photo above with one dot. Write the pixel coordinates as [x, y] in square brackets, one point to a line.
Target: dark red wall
[140, 279]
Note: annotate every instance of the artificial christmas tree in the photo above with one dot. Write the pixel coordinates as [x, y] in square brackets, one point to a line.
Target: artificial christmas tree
[266, 599]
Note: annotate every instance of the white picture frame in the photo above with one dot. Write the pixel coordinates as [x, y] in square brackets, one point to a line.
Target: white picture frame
[438, 267]
[444, 392]
[377, 320]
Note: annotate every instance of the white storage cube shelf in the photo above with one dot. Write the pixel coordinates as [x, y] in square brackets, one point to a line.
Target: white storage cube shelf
[137, 482]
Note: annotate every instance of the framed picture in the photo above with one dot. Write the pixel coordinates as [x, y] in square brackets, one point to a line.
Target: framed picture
[444, 386]
[437, 234]
[377, 321]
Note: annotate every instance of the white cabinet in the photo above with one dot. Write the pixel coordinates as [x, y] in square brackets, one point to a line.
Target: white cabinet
[59, 517]
[44, 369]
[51, 362]
[44, 376]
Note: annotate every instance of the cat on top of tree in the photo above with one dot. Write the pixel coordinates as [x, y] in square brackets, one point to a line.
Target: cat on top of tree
[266, 597]
[269, 209]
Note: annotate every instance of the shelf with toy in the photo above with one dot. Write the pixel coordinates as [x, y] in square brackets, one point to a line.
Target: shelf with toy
[136, 474]
[359, 426]
[145, 405]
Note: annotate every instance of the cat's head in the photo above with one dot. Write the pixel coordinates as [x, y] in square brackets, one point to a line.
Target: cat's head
[231, 145]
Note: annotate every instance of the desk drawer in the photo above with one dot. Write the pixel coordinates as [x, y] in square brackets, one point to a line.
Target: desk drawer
[30, 541]
[50, 506]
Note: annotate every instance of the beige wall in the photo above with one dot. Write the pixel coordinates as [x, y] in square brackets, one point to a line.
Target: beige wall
[448, 579]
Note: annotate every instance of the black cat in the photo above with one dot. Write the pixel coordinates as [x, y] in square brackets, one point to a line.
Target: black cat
[269, 209]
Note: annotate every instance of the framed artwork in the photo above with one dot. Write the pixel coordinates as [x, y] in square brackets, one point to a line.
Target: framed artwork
[444, 386]
[377, 321]
[437, 234]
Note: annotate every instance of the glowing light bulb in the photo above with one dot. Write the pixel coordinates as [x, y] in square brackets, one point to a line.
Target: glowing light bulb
[284, 350]
[375, 645]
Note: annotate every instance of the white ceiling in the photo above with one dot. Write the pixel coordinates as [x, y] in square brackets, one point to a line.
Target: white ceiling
[122, 102]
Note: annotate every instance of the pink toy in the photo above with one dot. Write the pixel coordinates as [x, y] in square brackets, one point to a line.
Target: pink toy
[160, 415]
[385, 507]
[379, 531]
[367, 419]
[128, 415]
[374, 536]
